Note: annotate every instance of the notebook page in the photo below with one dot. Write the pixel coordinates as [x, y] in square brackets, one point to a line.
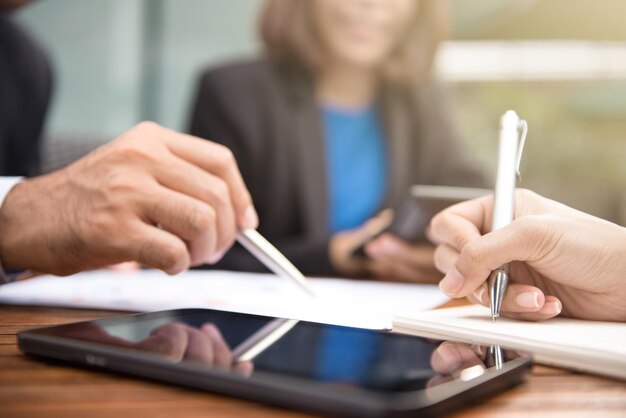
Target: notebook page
[586, 345]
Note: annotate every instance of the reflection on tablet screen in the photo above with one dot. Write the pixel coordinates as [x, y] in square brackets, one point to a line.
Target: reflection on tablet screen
[335, 355]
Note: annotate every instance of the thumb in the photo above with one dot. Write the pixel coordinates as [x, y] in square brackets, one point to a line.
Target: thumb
[526, 238]
[376, 225]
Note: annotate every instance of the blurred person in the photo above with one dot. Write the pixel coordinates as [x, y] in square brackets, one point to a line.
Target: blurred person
[333, 125]
[563, 262]
[25, 89]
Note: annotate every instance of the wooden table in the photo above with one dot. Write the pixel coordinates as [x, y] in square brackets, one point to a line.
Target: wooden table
[30, 388]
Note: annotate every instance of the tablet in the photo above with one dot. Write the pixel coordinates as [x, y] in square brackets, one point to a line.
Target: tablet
[323, 369]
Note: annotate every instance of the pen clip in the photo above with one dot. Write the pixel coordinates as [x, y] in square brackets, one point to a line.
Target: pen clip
[523, 125]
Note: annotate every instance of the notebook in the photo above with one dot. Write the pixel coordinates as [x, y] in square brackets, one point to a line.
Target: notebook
[590, 346]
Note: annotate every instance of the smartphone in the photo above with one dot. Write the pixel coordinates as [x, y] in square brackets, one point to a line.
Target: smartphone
[323, 369]
[412, 216]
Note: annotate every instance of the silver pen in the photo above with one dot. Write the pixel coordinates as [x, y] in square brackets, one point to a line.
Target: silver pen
[262, 339]
[273, 259]
[510, 148]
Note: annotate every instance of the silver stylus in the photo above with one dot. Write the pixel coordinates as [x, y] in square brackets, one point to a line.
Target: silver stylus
[273, 259]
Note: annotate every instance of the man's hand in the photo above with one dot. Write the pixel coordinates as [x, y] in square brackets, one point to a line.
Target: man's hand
[175, 340]
[155, 196]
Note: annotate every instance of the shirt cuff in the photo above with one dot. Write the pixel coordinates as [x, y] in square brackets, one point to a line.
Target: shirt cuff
[6, 184]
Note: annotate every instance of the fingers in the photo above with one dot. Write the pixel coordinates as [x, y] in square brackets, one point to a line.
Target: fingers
[156, 248]
[169, 340]
[461, 223]
[387, 270]
[222, 356]
[370, 229]
[453, 229]
[343, 244]
[200, 199]
[550, 308]
[445, 256]
[203, 346]
[244, 368]
[191, 220]
[522, 240]
[182, 342]
[518, 298]
[219, 161]
[466, 221]
[376, 224]
[522, 302]
[387, 245]
[125, 267]
[394, 259]
[449, 357]
[190, 180]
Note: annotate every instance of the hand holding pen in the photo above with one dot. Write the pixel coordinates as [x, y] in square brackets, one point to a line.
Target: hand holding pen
[561, 261]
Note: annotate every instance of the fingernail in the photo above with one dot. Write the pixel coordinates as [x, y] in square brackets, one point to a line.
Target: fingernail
[452, 283]
[126, 267]
[528, 299]
[216, 257]
[450, 356]
[373, 250]
[381, 247]
[388, 245]
[552, 308]
[479, 294]
[250, 218]
[209, 329]
[478, 349]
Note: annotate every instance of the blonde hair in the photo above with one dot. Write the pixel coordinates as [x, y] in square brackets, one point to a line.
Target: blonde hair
[286, 29]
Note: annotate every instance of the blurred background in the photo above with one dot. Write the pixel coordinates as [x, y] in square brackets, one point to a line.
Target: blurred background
[561, 64]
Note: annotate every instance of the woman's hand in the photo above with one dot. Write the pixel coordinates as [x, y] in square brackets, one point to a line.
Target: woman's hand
[562, 260]
[389, 257]
[392, 258]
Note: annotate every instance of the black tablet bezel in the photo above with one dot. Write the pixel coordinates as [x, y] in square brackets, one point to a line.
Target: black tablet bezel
[266, 387]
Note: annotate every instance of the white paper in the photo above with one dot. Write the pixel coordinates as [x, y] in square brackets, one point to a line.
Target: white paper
[593, 346]
[365, 304]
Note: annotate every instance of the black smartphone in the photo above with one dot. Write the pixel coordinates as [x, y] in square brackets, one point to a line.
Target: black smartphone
[323, 369]
[412, 216]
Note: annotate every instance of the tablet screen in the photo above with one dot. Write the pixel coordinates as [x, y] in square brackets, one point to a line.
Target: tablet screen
[341, 356]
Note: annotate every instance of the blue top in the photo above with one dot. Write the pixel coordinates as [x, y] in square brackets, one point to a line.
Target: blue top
[356, 158]
[356, 165]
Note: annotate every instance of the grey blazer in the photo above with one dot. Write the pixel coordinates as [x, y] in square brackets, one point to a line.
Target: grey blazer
[270, 120]
[25, 89]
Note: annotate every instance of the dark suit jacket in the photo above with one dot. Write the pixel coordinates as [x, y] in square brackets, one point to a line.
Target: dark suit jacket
[270, 120]
[25, 87]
